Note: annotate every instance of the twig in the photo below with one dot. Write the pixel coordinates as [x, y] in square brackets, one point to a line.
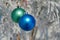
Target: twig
[33, 34]
[18, 36]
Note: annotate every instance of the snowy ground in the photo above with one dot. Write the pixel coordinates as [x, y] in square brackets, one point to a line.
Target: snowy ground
[47, 16]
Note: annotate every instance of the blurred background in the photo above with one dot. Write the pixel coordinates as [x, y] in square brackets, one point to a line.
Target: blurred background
[46, 13]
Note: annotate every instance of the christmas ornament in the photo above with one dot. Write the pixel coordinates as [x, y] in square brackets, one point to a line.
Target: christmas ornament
[27, 22]
[17, 13]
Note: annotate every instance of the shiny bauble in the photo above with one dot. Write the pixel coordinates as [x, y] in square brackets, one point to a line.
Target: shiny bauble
[27, 22]
[17, 13]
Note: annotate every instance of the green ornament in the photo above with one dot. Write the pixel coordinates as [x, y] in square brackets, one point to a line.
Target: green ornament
[17, 13]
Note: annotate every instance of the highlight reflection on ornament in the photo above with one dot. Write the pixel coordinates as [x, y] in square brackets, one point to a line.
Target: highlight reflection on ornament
[27, 22]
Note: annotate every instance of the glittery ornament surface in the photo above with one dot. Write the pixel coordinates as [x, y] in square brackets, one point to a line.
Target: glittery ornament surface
[17, 13]
[27, 22]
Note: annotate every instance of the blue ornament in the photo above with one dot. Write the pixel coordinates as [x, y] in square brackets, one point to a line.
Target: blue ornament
[27, 22]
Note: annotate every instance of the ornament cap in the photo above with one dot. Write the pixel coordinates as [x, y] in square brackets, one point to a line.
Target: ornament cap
[18, 7]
